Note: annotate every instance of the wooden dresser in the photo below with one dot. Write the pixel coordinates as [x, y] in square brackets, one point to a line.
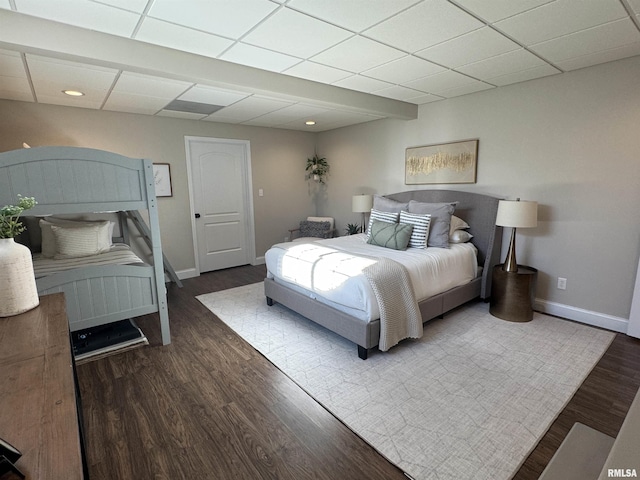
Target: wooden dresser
[38, 406]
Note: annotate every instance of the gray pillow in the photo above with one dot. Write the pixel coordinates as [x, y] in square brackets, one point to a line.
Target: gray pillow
[385, 204]
[315, 229]
[440, 220]
[390, 235]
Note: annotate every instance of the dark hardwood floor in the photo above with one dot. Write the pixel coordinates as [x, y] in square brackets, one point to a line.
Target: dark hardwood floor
[209, 406]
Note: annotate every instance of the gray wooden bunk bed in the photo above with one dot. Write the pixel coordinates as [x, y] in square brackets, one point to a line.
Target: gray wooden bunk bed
[72, 180]
[478, 210]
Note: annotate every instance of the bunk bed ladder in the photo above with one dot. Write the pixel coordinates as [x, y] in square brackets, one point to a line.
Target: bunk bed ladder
[142, 227]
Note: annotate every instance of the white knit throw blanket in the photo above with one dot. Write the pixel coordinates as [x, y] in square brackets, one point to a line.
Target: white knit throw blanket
[399, 312]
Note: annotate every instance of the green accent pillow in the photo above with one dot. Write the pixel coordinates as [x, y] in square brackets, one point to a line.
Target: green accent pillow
[390, 235]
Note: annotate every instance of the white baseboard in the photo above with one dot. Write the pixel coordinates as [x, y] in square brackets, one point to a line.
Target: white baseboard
[596, 319]
[188, 273]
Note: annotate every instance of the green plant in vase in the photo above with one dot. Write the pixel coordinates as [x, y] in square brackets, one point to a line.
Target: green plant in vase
[10, 227]
[317, 168]
[353, 228]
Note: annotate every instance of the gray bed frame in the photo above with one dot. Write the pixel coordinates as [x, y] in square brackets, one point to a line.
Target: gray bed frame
[72, 180]
[478, 210]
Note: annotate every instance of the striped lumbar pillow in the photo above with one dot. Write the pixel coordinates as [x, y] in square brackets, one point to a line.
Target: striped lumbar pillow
[379, 216]
[421, 223]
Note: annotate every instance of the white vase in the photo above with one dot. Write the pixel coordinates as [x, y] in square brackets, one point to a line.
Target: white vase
[18, 291]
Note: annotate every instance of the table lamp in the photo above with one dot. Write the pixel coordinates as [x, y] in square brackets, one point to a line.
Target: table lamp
[362, 204]
[515, 214]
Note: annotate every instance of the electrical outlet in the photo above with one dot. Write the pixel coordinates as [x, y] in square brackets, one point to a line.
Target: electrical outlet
[562, 283]
[286, 239]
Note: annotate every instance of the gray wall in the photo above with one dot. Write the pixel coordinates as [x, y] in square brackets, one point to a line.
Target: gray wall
[278, 160]
[570, 142]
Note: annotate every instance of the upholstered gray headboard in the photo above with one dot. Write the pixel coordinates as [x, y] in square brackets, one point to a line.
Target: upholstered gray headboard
[479, 211]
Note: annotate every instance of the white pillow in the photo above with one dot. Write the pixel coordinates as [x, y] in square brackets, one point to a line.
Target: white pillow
[48, 244]
[460, 236]
[80, 241]
[457, 224]
[421, 223]
[376, 215]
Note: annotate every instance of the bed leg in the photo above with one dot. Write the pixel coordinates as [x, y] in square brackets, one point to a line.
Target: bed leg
[270, 301]
[362, 352]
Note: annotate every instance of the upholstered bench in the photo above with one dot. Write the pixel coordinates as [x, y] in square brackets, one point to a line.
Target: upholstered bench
[588, 454]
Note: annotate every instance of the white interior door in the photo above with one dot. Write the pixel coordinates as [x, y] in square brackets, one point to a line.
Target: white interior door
[221, 197]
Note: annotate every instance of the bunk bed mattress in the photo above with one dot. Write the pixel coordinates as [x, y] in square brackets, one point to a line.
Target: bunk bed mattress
[330, 270]
[119, 254]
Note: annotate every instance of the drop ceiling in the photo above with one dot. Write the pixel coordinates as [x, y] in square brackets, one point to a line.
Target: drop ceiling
[279, 63]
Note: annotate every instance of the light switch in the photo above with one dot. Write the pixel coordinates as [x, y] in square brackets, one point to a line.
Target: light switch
[260, 192]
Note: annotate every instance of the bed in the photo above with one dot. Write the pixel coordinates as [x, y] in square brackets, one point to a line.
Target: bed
[477, 210]
[74, 181]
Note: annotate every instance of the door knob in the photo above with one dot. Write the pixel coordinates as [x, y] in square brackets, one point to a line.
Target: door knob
[197, 215]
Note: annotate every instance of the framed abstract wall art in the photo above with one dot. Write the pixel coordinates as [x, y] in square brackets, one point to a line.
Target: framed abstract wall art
[454, 162]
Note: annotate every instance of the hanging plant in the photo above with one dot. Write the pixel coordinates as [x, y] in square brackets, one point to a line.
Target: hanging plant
[317, 168]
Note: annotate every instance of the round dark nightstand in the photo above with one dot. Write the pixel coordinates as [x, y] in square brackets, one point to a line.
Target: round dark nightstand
[513, 293]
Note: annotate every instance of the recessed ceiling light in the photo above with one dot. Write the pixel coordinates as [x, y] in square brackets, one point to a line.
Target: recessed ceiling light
[73, 93]
[310, 122]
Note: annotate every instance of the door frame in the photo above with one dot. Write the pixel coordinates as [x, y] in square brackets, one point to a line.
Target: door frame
[248, 196]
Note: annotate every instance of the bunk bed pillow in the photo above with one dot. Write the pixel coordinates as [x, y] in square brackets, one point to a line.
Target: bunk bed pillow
[48, 242]
[80, 241]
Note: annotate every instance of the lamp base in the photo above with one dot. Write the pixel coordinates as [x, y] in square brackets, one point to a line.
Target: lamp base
[510, 264]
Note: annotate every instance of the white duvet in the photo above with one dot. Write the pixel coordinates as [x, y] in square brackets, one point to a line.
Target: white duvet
[331, 270]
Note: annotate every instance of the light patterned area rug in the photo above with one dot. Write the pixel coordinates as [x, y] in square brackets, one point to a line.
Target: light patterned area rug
[470, 400]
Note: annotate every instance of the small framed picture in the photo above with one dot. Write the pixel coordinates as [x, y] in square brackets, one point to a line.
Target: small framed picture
[162, 177]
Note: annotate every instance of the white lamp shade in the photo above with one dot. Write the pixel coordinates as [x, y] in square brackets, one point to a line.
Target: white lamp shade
[517, 214]
[361, 203]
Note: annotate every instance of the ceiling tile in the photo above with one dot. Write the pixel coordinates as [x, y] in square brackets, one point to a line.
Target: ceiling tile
[403, 70]
[212, 96]
[362, 84]
[14, 84]
[184, 115]
[250, 107]
[465, 89]
[149, 86]
[601, 57]
[504, 64]
[398, 92]
[471, 47]
[295, 113]
[317, 72]
[11, 64]
[5, 4]
[259, 57]
[522, 76]
[424, 25]
[137, 6]
[81, 13]
[227, 18]
[295, 34]
[560, 18]
[441, 82]
[181, 38]
[132, 103]
[357, 54]
[424, 98]
[354, 15]
[590, 41]
[495, 10]
[51, 76]
[635, 5]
